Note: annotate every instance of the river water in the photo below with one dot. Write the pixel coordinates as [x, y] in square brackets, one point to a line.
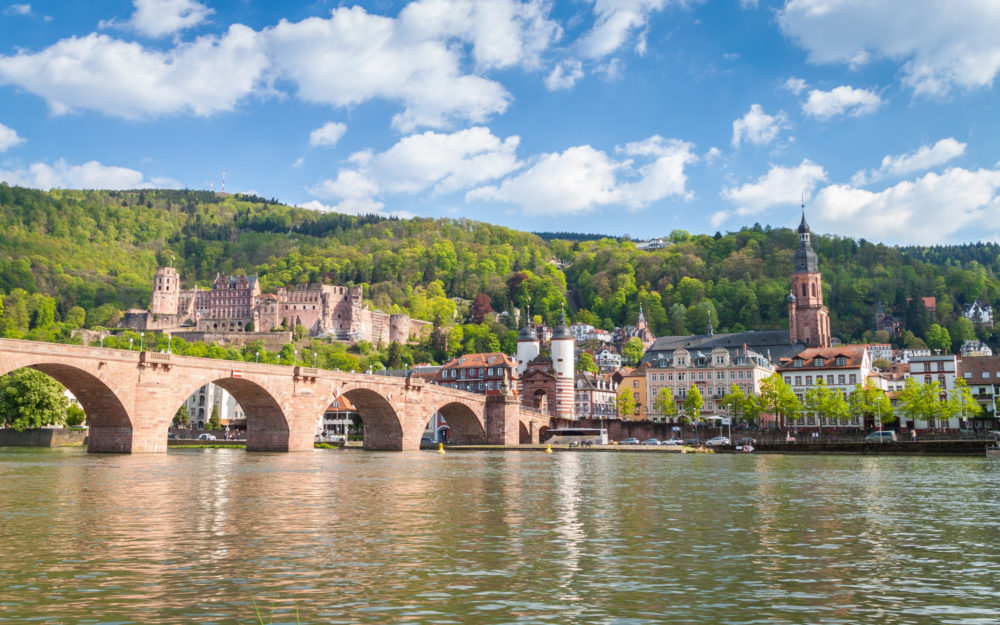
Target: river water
[344, 536]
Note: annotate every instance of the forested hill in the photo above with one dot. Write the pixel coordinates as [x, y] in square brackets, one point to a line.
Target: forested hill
[80, 257]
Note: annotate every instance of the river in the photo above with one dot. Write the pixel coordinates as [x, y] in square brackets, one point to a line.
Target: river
[345, 536]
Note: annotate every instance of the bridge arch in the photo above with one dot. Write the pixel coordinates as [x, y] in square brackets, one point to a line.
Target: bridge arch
[466, 426]
[382, 426]
[110, 426]
[267, 424]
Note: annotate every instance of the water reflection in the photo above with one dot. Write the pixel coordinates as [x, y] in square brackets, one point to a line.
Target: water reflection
[352, 537]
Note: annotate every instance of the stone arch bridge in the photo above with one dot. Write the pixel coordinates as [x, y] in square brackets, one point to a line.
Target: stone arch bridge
[131, 398]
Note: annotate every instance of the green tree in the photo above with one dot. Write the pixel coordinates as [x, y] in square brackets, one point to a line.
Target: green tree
[664, 404]
[586, 363]
[625, 404]
[75, 415]
[920, 402]
[867, 400]
[633, 350]
[826, 402]
[181, 417]
[777, 398]
[961, 402]
[693, 404]
[734, 401]
[214, 423]
[31, 399]
[939, 339]
[881, 364]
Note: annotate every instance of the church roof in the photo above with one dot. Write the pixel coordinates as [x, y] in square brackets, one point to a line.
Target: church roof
[774, 341]
[803, 226]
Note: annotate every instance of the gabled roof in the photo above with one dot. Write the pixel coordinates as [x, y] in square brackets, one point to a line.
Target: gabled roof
[488, 359]
[855, 355]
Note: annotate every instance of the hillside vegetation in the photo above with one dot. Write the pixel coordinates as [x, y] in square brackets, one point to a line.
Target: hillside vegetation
[78, 258]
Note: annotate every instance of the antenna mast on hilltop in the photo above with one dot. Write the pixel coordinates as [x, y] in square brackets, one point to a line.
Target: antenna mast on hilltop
[223, 180]
[211, 185]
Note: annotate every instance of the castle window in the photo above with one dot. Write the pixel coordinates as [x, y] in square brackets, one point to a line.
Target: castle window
[804, 291]
[814, 290]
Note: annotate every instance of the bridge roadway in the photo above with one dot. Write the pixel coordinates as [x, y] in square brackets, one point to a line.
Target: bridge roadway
[131, 398]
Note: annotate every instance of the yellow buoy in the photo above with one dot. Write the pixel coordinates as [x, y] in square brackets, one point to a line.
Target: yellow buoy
[440, 448]
[548, 449]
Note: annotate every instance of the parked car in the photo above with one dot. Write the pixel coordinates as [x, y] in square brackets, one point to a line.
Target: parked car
[629, 441]
[746, 441]
[651, 441]
[693, 442]
[672, 441]
[427, 443]
[206, 437]
[718, 441]
[885, 436]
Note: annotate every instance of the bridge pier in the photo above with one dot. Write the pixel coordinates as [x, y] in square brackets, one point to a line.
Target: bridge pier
[503, 420]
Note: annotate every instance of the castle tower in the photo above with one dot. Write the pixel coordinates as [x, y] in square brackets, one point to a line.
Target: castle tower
[166, 291]
[527, 349]
[808, 318]
[563, 347]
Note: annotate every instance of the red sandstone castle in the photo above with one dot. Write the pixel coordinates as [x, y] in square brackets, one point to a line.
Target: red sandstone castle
[235, 304]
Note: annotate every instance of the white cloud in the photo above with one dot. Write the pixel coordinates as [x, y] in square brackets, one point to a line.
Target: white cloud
[925, 157]
[757, 126]
[299, 162]
[18, 9]
[927, 210]
[615, 21]
[839, 101]
[90, 175]
[779, 186]
[158, 18]
[440, 162]
[327, 135]
[712, 155]
[124, 79]
[355, 56]
[941, 45]
[795, 85]
[581, 179]
[719, 217]
[748, 4]
[502, 33]
[418, 59]
[565, 75]
[8, 138]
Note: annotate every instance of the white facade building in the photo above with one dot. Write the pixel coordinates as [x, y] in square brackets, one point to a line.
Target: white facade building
[200, 404]
[941, 369]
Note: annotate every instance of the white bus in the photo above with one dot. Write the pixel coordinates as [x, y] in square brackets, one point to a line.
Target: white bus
[580, 436]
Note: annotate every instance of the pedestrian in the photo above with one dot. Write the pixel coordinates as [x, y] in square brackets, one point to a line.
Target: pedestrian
[913, 434]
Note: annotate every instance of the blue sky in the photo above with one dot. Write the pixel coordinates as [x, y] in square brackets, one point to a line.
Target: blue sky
[620, 117]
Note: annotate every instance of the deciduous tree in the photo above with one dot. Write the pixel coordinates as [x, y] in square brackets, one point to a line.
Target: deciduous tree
[31, 399]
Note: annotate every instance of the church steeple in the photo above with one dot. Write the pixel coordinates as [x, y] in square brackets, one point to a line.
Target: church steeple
[808, 318]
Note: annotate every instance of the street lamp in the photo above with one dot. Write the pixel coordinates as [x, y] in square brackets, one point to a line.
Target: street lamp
[257, 357]
[314, 359]
[130, 339]
[102, 339]
[142, 335]
[169, 338]
[295, 357]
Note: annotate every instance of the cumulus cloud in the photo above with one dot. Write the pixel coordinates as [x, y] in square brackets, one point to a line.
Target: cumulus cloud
[327, 135]
[437, 162]
[839, 101]
[941, 45]
[8, 138]
[355, 56]
[582, 178]
[925, 157]
[914, 211]
[779, 186]
[418, 59]
[615, 21]
[90, 175]
[565, 75]
[758, 127]
[124, 79]
[795, 85]
[158, 18]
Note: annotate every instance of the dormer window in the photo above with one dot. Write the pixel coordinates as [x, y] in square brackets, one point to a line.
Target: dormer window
[841, 361]
[820, 361]
[797, 362]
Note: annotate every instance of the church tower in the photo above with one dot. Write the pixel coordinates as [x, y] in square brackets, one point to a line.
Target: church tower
[808, 318]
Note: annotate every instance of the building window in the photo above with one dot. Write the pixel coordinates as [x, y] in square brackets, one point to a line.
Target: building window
[680, 377]
[829, 379]
[635, 383]
[809, 380]
[788, 380]
[853, 379]
[798, 380]
[840, 379]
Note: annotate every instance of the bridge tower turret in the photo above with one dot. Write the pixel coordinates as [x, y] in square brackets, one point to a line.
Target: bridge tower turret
[528, 348]
[563, 347]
